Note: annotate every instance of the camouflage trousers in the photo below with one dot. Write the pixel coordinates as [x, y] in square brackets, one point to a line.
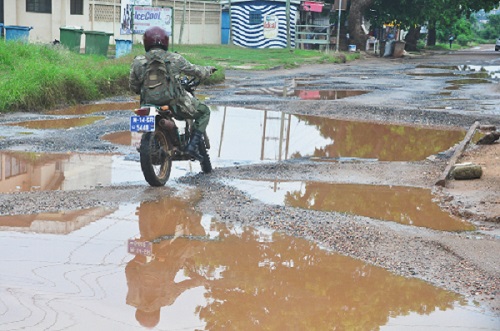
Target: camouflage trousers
[191, 108]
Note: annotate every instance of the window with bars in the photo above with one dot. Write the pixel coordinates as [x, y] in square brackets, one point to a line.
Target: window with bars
[76, 7]
[39, 6]
[255, 17]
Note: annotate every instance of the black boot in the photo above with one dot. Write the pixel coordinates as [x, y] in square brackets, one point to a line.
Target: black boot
[192, 148]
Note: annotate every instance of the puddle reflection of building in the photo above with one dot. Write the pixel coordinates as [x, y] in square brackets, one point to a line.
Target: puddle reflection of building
[62, 222]
[22, 171]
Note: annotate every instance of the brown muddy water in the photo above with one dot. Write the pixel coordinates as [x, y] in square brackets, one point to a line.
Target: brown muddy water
[306, 94]
[404, 205]
[247, 135]
[26, 171]
[65, 123]
[240, 135]
[161, 264]
[95, 108]
[22, 171]
[477, 71]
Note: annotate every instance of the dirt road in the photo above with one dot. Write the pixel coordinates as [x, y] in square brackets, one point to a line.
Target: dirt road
[443, 92]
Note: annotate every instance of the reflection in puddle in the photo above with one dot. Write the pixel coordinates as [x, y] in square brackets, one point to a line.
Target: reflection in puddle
[24, 171]
[468, 81]
[424, 66]
[60, 222]
[242, 135]
[490, 71]
[304, 94]
[456, 84]
[206, 276]
[95, 108]
[58, 123]
[125, 138]
[469, 70]
[327, 94]
[483, 75]
[443, 93]
[405, 205]
[433, 74]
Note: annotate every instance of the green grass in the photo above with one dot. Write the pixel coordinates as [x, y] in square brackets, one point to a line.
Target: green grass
[446, 47]
[234, 57]
[36, 77]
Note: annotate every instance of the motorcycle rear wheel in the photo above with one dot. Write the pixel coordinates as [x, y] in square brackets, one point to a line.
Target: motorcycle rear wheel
[156, 163]
[206, 165]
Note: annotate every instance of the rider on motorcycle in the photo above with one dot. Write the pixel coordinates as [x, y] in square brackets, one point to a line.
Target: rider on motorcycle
[155, 39]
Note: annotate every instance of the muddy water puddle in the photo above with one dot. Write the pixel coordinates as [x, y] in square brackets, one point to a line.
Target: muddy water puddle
[95, 108]
[404, 205]
[24, 171]
[476, 71]
[240, 135]
[162, 264]
[303, 93]
[60, 222]
[237, 136]
[65, 123]
[244, 134]
[327, 94]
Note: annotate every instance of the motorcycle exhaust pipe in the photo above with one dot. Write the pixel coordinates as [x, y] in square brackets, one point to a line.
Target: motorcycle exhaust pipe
[166, 124]
[170, 128]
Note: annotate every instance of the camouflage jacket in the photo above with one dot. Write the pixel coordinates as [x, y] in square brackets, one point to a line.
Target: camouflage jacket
[179, 66]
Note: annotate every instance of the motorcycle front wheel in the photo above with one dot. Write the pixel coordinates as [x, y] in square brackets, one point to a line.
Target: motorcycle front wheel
[156, 163]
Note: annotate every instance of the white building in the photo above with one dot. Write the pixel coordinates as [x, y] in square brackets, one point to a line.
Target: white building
[201, 19]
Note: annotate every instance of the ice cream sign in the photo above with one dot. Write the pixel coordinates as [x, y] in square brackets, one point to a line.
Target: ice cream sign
[270, 26]
[146, 16]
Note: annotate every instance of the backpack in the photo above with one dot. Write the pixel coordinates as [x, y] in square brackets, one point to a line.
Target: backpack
[160, 86]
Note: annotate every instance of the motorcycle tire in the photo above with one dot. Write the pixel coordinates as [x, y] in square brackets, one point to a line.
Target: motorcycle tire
[206, 165]
[155, 161]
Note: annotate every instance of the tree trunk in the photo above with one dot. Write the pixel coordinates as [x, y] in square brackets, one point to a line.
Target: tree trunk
[356, 34]
[411, 38]
[431, 36]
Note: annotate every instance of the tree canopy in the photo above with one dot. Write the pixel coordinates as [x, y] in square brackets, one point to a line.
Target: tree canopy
[408, 14]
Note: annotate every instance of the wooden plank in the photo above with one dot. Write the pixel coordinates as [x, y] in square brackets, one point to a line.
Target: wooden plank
[444, 176]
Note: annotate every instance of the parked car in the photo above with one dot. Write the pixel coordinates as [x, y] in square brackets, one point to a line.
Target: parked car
[497, 45]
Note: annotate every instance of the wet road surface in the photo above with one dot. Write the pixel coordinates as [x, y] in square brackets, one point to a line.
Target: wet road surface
[70, 269]
[162, 264]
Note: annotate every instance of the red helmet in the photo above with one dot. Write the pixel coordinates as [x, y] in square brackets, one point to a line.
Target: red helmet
[155, 37]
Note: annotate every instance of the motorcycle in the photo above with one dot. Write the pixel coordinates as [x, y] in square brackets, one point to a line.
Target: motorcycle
[164, 139]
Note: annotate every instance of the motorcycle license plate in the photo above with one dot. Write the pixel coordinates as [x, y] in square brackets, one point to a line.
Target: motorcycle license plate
[142, 123]
[140, 247]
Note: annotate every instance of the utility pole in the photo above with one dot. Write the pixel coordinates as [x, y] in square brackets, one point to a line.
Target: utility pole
[183, 21]
[338, 28]
[230, 25]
